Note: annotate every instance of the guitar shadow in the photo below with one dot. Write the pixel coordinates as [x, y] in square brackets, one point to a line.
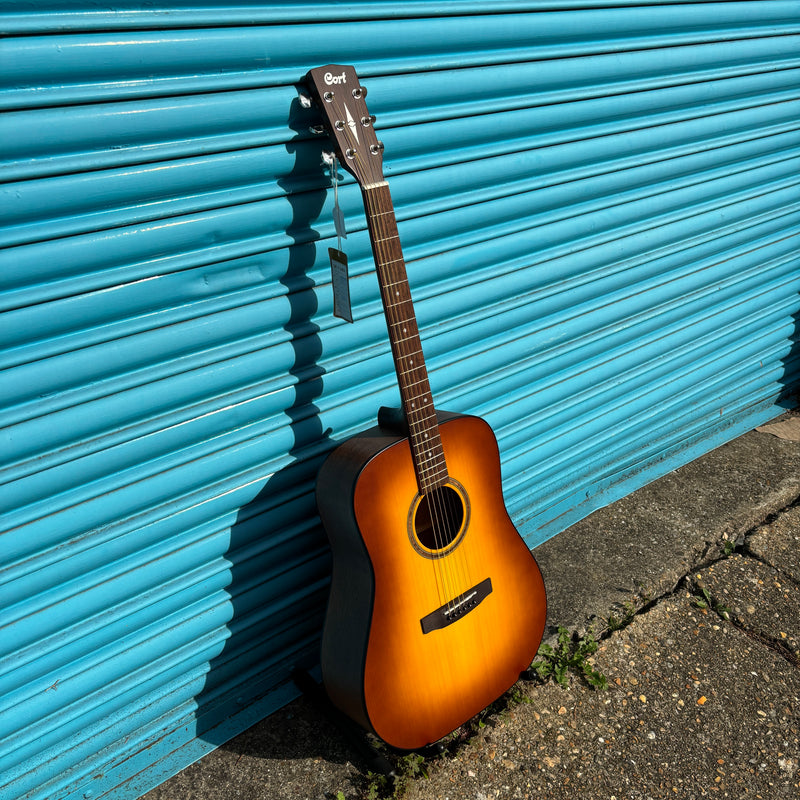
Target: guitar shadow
[278, 555]
[791, 379]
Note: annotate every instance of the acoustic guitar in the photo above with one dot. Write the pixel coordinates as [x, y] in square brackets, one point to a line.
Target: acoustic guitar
[436, 603]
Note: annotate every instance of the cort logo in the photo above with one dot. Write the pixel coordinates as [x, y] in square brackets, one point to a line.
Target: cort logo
[330, 80]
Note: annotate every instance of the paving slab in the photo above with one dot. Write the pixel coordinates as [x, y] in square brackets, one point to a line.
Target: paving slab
[696, 708]
[758, 597]
[641, 546]
[778, 543]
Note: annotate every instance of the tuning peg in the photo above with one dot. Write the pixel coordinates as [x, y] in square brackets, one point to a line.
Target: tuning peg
[376, 148]
[359, 92]
[368, 120]
[317, 129]
[305, 100]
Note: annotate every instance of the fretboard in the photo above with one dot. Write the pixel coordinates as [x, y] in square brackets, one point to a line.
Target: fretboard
[412, 375]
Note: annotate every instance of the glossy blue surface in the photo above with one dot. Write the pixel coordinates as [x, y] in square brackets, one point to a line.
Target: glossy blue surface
[600, 211]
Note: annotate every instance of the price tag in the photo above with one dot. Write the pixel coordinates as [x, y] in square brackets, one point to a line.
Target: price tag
[340, 280]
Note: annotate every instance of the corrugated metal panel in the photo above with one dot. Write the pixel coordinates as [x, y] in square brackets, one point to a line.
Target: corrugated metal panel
[599, 208]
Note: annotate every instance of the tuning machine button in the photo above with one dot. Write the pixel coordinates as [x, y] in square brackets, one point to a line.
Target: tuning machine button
[327, 97]
[305, 100]
[367, 120]
[317, 129]
[376, 148]
[359, 92]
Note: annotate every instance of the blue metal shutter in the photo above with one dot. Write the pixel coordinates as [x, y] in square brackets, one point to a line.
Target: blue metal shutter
[599, 208]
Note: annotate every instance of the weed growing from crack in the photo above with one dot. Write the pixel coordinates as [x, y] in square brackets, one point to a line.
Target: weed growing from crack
[518, 697]
[728, 547]
[704, 600]
[570, 654]
[616, 623]
[641, 598]
[377, 786]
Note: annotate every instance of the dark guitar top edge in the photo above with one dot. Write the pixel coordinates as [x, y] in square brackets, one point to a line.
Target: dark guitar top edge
[344, 646]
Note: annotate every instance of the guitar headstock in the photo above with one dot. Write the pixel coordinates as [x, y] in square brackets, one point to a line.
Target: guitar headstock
[339, 96]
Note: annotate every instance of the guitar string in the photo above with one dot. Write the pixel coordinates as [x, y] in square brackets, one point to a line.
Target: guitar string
[398, 314]
[442, 520]
[443, 513]
[442, 510]
[402, 313]
[382, 254]
[438, 506]
[439, 515]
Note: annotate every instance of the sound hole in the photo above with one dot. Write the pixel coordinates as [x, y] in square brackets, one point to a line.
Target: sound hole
[439, 518]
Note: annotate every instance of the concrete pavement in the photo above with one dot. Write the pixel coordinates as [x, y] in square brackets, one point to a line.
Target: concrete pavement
[691, 586]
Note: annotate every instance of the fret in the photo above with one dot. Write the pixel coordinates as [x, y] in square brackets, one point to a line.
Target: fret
[409, 384]
[417, 352]
[395, 283]
[421, 431]
[419, 439]
[438, 473]
[428, 454]
[422, 426]
[413, 409]
[386, 262]
[429, 459]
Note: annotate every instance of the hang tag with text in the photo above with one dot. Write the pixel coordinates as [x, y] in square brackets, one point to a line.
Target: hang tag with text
[340, 280]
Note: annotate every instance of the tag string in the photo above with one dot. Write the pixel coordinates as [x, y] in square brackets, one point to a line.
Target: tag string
[335, 180]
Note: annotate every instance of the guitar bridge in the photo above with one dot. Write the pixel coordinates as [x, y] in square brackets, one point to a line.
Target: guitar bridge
[456, 608]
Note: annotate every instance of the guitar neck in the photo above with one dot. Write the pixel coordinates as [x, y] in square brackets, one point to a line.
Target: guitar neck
[412, 375]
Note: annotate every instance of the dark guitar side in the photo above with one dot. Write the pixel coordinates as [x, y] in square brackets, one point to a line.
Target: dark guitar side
[410, 687]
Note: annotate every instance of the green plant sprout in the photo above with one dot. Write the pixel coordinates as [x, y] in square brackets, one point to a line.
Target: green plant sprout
[570, 654]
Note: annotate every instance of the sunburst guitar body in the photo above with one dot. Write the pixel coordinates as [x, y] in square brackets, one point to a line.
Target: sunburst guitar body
[389, 660]
[436, 602]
